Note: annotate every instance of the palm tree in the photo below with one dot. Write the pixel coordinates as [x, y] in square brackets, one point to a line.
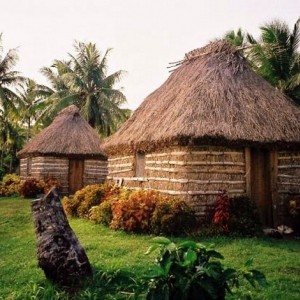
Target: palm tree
[237, 38]
[83, 81]
[275, 57]
[32, 97]
[9, 78]
[9, 100]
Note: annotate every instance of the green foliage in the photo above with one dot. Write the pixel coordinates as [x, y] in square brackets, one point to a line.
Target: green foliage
[101, 214]
[10, 185]
[30, 188]
[189, 270]
[172, 216]
[82, 80]
[134, 213]
[118, 260]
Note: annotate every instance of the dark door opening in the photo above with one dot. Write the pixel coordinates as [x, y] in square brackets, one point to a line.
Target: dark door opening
[75, 175]
[261, 184]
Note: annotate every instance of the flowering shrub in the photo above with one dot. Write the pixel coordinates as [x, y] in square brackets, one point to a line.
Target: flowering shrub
[30, 188]
[10, 185]
[172, 216]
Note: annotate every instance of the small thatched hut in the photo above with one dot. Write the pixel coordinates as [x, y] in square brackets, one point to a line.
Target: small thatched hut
[68, 150]
[213, 125]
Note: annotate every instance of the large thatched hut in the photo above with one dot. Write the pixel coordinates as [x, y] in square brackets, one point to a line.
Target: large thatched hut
[213, 125]
[68, 150]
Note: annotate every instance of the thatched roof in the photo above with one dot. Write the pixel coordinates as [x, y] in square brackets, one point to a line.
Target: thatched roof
[68, 135]
[213, 97]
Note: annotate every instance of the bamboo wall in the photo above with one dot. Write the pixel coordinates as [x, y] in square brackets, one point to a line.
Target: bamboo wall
[195, 174]
[95, 171]
[288, 182]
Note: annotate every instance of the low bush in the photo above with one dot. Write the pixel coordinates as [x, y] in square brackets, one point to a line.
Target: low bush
[237, 216]
[134, 212]
[189, 270]
[10, 185]
[244, 217]
[172, 216]
[102, 214]
[32, 187]
[86, 198]
[50, 182]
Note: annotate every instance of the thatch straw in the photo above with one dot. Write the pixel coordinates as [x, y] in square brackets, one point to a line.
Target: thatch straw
[213, 97]
[68, 135]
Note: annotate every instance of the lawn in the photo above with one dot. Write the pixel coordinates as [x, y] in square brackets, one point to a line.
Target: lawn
[118, 260]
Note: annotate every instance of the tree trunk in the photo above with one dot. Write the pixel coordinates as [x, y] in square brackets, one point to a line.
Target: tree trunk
[59, 252]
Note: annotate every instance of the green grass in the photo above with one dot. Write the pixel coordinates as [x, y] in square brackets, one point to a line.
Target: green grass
[118, 260]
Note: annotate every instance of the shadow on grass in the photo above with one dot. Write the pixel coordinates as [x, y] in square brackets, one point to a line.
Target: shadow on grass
[102, 285]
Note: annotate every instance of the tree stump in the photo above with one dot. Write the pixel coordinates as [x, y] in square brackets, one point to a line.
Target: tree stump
[59, 252]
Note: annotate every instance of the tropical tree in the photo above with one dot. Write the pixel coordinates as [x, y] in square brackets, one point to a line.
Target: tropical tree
[82, 80]
[32, 103]
[238, 38]
[9, 101]
[275, 56]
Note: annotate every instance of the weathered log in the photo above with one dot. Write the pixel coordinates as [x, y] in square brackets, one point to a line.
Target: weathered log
[59, 252]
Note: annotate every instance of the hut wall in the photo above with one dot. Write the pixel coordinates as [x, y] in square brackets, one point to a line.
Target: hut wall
[288, 184]
[95, 171]
[195, 174]
[43, 167]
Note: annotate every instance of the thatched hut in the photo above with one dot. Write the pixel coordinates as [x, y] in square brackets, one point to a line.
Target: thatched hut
[68, 150]
[213, 125]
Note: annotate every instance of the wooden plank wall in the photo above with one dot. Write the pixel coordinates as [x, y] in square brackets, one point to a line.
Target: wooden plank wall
[95, 171]
[43, 167]
[195, 174]
[288, 182]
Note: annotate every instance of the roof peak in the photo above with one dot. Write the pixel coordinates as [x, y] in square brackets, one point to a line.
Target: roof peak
[71, 109]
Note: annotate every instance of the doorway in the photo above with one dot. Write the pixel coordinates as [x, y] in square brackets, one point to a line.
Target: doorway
[75, 175]
[261, 184]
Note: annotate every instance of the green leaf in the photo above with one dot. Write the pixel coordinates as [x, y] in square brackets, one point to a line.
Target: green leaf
[249, 263]
[189, 258]
[151, 249]
[161, 240]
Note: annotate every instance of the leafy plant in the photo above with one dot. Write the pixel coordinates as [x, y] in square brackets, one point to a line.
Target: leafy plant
[30, 188]
[134, 212]
[172, 216]
[50, 182]
[244, 217]
[10, 185]
[189, 270]
[222, 211]
[101, 214]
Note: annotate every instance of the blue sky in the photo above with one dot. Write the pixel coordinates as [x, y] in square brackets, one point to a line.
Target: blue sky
[145, 35]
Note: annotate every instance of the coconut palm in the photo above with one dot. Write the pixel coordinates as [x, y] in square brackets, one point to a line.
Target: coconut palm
[32, 97]
[83, 81]
[275, 56]
[237, 38]
[9, 78]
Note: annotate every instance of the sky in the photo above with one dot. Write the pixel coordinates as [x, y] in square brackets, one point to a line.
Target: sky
[145, 35]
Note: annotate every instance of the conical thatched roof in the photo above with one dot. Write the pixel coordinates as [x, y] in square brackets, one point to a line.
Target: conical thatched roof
[213, 97]
[68, 135]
